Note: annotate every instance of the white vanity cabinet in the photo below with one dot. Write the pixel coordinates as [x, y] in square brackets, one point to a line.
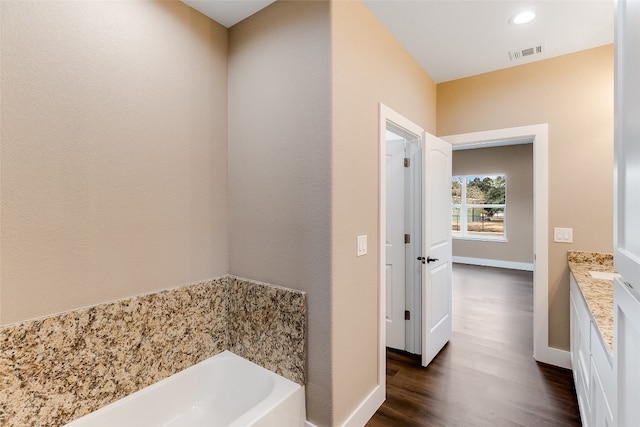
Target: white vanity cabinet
[592, 364]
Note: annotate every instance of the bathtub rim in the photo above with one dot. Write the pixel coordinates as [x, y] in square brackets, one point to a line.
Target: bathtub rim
[283, 389]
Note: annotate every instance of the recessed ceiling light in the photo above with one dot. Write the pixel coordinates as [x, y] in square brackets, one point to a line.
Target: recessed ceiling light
[522, 17]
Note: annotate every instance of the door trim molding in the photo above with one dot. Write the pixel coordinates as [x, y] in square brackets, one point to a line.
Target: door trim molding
[539, 133]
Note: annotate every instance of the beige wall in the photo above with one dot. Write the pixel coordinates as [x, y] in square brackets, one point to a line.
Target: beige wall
[516, 161]
[113, 150]
[574, 95]
[369, 67]
[280, 168]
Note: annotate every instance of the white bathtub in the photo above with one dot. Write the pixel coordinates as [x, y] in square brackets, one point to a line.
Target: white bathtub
[224, 390]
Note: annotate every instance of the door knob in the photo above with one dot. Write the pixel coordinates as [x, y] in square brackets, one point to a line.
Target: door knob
[429, 259]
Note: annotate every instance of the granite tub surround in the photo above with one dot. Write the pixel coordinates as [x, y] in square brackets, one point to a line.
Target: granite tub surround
[59, 368]
[267, 325]
[56, 369]
[598, 293]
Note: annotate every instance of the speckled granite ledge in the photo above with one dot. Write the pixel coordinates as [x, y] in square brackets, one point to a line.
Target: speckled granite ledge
[598, 293]
[57, 369]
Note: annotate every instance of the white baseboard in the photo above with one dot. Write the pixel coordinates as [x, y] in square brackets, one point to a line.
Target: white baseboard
[308, 424]
[556, 357]
[494, 263]
[366, 409]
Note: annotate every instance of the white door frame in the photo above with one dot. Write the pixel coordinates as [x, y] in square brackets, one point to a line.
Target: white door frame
[542, 352]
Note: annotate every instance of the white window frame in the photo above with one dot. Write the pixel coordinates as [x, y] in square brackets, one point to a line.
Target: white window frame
[464, 207]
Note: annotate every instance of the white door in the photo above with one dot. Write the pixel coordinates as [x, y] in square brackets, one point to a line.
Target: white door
[394, 244]
[626, 224]
[627, 143]
[436, 295]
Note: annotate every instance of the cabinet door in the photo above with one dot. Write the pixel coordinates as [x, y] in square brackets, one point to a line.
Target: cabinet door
[601, 415]
[626, 350]
[627, 141]
[580, 356]
[603, 365]
[574, 327]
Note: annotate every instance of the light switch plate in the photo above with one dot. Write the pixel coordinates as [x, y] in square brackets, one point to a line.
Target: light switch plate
[563, 235]
[362, 245]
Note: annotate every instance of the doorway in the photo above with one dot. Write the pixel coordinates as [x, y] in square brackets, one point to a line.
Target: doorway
[492, 220]
[435, 258]
[433, 254]
[538, 134]
[403, 238]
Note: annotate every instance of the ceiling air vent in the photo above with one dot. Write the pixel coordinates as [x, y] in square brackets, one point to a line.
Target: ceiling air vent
[526, 53]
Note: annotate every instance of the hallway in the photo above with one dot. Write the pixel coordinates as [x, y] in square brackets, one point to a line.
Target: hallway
[486, 375]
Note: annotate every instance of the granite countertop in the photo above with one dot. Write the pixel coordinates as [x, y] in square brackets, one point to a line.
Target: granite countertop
[598, 293]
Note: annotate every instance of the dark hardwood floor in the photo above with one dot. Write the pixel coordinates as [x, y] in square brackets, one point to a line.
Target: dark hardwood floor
[486, 375]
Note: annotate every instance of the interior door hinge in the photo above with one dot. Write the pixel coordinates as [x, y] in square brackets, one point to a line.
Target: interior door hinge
[407, 162]
[407, 238]
[407, 315]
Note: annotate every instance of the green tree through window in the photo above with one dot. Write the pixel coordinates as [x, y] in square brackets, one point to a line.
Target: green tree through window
[479, 203]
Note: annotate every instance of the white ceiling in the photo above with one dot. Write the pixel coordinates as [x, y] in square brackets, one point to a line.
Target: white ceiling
[228, 12]
[452, 39]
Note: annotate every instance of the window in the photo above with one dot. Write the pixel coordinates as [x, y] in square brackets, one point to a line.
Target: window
[479, 206]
